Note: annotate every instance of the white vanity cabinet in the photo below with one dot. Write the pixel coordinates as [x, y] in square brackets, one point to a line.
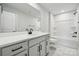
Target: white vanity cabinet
[33, 46]
[37, 46]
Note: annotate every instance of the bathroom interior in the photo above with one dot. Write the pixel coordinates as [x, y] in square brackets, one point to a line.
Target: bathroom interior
[39, 29]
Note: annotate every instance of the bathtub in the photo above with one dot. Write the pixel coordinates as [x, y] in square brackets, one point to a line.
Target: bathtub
[67, 41]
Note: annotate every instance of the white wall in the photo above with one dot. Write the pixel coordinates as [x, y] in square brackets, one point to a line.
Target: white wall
[78, 21]
[15, 20]
[78, 26]
[52, 24]
[44, 21]
[65, 24]
[0, 17]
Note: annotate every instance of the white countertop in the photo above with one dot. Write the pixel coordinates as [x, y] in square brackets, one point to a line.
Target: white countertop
[8, 38]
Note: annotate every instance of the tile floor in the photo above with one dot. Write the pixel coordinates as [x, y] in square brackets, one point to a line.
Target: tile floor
[61, 50]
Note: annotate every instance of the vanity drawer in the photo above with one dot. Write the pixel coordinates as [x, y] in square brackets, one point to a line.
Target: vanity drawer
[24, 53]
[14, 49]
[37, 40]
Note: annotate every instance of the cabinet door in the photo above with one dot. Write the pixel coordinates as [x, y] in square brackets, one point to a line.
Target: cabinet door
[34, 51]
[43, 48]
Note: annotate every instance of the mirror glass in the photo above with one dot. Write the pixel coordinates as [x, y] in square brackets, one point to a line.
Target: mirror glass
[17, 17]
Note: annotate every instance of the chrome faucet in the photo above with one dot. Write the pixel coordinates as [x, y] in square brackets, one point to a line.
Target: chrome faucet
[29, 30]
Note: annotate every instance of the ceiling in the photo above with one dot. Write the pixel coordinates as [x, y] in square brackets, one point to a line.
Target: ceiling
[57, 8]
